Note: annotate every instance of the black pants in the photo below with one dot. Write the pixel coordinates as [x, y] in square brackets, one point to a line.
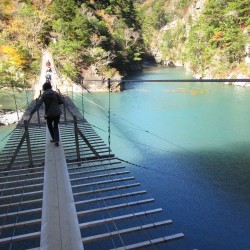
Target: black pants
[52, 122]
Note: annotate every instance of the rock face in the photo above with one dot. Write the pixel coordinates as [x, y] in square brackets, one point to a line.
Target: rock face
[193, 12]
[100, 82]
[10, 116]
[173, 57]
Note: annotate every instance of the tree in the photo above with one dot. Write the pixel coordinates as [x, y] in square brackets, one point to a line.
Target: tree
[11, 73]
[22, 23]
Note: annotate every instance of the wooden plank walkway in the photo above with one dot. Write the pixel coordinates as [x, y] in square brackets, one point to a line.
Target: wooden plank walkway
[76, 196]
[60, 228]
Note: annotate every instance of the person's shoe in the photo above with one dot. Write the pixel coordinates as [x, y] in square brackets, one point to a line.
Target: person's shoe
[57, 144]
[52, 140]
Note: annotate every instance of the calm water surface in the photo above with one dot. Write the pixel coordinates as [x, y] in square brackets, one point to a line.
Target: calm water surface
[191, 144]
[192, 141]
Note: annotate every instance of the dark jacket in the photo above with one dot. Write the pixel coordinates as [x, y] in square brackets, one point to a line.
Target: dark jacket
[52, 101]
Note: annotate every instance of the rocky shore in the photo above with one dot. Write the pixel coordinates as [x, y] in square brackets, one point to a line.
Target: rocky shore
[8, 117]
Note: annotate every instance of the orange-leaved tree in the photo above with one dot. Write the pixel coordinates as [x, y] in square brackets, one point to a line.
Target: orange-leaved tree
[11, 67]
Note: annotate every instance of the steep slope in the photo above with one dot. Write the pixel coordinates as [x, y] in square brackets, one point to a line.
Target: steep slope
[210, 38]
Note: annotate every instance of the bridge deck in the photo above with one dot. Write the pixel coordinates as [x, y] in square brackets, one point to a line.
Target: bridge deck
[70, 200]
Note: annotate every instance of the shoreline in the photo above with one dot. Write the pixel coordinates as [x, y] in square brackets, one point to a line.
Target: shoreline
[8, 117]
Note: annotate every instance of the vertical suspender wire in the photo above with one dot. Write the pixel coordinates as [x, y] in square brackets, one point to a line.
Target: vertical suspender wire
[13, 90]
[27, 100]
[109, 86]
[26, 94]
[82, 97]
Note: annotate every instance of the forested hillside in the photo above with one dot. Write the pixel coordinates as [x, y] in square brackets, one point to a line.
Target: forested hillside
[101, 39]
[99, 35]
[211, 38]
[21, 26]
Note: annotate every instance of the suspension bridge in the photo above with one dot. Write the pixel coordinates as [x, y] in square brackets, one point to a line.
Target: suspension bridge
[76, 196]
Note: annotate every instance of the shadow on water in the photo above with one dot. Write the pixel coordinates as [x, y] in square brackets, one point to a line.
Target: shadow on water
[205, 193]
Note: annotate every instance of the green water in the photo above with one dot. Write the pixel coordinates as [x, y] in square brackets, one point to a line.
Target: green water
[191, 144]
[12, 100]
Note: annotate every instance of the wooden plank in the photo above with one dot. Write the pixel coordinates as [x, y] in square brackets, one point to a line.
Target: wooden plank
[124, 231]
[25, 212]
[21, 224]
[20, 237]
[84, 165]
[21, 181]
[117, 218]
[95, 160]
[22, 156]
[99, 176]
[60, 228]
[111, 197]
[18, 203]
[107, 189]
[151, 242]
[96, 170]
[122, 205]
[20, 195]
[28, 173]
[21, 188]
[87, 158]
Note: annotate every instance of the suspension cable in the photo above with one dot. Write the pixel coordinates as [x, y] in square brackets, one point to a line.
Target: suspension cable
[109, 130]
[138, 127]
[8, 134]
[14, 96]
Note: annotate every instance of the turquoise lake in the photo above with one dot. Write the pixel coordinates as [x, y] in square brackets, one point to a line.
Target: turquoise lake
[189, 143]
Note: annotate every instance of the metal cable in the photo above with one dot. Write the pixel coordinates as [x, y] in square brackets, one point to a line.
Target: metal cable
[97, 188]
[129, 207]
[109, 130]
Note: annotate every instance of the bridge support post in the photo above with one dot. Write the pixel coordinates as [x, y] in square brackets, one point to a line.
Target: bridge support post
[38, 115]
[64, 112]
[76, 139]
[28, 143]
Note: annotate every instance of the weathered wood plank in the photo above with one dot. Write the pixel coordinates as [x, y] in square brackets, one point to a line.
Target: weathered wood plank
[60, 229]
[124, 231]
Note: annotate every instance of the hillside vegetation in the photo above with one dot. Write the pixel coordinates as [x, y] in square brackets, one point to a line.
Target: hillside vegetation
[101, 37]
[107, 38]
[211, 38]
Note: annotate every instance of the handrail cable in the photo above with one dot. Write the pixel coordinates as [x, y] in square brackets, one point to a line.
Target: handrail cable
[124, 198]
[78, 131]
[24, 137]
[149, 146]
[153, 134]
[109, 130]
[169, 80]
[16, 220]
[146, 131]
[110, 215]
[175, 80]
[144, 144]
[130, 208]
[4, 138]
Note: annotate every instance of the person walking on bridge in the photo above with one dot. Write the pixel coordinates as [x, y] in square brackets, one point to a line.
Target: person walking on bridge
[48, 75]
[52, 101]
[48, 64]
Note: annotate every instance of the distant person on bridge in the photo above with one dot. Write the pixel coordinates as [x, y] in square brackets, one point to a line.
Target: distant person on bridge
[48, 75]
[52, 101]
[48, 64]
